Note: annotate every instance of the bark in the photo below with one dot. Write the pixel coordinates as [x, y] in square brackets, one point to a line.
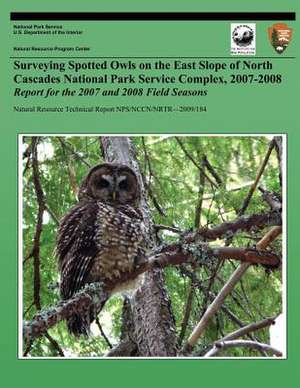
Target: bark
[154, 327]
[127, 346]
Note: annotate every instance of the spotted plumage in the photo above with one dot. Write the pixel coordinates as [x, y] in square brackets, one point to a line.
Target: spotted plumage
[103, 236]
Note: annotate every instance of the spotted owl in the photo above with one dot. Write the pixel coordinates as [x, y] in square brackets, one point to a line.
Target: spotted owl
[102, 237]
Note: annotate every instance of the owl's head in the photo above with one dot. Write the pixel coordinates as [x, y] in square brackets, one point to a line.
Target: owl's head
[111, 183]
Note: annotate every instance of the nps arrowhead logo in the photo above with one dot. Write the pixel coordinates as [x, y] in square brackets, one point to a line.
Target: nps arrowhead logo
[280, 36]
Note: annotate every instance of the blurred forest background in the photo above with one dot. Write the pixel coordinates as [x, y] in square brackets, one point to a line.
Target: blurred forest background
[181, 198]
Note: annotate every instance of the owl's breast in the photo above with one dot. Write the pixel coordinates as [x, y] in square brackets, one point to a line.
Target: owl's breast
[120, 241]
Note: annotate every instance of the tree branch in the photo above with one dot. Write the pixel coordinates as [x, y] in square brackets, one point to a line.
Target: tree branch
[245, 223]
[219, 346]
[228, 190]
[225, 291]
[97, 294]
[126, 348]
[249, 328]
[55, 344]
[93, 294]
[52, 214]
[259, 174]
[67, 146]
[278, 148]
[238, 322]
[193, 161]
[39, 225]
[212, 171]
[198, 209]
[187, 313]
[169, 228]
[272, 199]
[212, 296]
[103, 334]
[245, 330]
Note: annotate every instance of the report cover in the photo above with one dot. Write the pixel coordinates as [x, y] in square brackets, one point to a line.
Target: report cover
[150, 192]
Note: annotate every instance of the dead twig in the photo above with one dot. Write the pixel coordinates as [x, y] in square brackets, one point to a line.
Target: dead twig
[103, 334]
[201, 189]
[189, 156]
[212, 171]
[249, 329]
[258, 176]
[169, 228]
[187, 313]
[55, 344]
[223, 345]
[278, 148]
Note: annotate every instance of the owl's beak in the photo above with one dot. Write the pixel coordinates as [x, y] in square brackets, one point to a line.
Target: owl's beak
[114, 195]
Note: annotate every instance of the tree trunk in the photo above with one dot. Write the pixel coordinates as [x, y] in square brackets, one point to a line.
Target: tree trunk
[154, 327]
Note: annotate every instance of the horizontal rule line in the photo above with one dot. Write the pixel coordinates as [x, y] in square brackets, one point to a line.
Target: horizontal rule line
[132, 57]
[151, 16]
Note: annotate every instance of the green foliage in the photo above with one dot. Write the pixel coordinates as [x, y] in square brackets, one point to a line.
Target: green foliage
[174, 181]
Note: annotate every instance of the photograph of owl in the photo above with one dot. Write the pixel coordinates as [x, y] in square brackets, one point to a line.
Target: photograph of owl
[102, 237]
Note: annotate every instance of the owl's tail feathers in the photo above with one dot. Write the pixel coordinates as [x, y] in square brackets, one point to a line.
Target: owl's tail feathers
[80, 324]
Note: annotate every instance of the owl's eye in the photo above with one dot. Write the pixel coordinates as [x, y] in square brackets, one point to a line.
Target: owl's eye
[102, 183]
[123, 185]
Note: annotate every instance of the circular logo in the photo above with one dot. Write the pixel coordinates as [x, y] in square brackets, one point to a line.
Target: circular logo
[243, 35]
